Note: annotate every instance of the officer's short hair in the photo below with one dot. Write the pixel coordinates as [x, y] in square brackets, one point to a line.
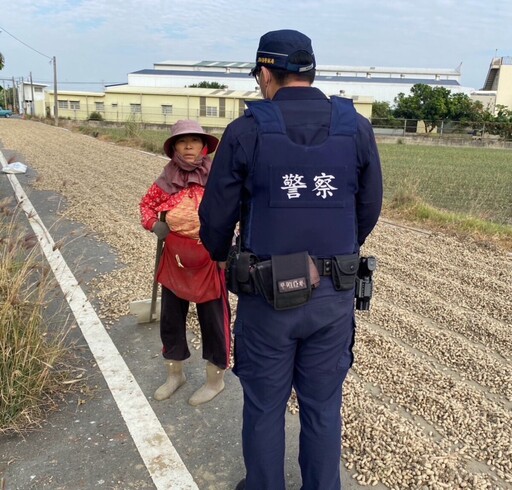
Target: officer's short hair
[283, 76]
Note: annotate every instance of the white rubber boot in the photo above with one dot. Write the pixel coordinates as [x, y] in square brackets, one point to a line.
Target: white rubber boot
[213, 386]
[175, 378]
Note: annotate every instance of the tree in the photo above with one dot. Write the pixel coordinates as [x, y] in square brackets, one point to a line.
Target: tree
[462, 108]
[205, 84]
[381, 110]
[435, 105]
[407, 107]
[382, 115]
[500, 124]
[430, 105]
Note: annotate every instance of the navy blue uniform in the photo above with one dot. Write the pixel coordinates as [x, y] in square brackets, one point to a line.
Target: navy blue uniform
[328, 201]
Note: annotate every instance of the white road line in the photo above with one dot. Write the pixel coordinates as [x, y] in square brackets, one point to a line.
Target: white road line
[159, 455]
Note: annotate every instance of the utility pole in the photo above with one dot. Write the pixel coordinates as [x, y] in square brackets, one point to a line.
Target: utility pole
[33, 110]
[56, 105]
[13, 96]
[22, 106]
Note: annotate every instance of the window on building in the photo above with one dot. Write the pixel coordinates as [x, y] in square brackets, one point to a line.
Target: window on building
[99, 106]
[211, 111]
[222, 107]
[167, 109]
[74, 104]
[63, 104]
[38, 89]
[135, 108]
[241, 107]
[114, 106]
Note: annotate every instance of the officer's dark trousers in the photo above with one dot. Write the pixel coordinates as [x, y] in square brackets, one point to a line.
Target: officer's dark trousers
[309, 348]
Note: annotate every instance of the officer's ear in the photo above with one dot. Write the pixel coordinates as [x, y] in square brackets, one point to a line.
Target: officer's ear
[265, 76]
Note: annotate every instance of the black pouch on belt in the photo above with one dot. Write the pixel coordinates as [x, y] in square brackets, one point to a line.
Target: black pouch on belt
[344, 270]
[232, 270]
[291, 280]
[240, 273]
[262, 277]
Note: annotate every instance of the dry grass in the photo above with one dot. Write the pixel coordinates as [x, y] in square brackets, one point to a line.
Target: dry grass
[29, 353]
[407, 204]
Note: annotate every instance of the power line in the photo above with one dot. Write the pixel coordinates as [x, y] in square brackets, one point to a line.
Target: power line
[20, 41]
[53, 61]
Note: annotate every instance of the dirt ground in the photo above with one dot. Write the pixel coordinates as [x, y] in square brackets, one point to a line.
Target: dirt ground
[428, 403]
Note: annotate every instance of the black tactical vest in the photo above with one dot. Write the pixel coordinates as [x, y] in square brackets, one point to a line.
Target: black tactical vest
[303, 197]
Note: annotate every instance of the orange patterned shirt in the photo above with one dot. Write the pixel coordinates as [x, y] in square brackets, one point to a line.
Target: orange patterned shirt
[181, 208]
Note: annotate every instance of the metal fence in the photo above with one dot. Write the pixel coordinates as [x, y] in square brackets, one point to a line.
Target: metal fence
[490, 132]
[470, 131]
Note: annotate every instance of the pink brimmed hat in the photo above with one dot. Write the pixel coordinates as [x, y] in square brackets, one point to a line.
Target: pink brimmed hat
[186, 126]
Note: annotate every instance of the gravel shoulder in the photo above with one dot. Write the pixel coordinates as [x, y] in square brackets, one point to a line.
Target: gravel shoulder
[428, 403]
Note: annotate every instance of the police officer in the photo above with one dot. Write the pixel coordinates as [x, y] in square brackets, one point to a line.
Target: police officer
[301, 174]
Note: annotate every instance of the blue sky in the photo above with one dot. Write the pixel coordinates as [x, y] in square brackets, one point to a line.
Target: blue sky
[102, 41]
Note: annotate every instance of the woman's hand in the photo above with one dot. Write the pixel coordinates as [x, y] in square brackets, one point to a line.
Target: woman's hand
[161, 229]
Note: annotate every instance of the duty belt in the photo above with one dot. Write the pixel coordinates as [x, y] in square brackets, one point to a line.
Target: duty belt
[247, 274]
[324, 266]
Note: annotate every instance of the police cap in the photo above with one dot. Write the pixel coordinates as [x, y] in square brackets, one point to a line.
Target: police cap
[276, 47]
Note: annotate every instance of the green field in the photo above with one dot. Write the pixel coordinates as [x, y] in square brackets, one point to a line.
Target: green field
[470, 181]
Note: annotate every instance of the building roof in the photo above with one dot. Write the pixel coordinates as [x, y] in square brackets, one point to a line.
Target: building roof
[35, 84]
[204, 92]
[76, 92]
[244, 65]
[208, 64]
[318, 77]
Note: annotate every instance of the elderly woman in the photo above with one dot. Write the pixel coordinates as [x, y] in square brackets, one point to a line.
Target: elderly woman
[186, 272]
